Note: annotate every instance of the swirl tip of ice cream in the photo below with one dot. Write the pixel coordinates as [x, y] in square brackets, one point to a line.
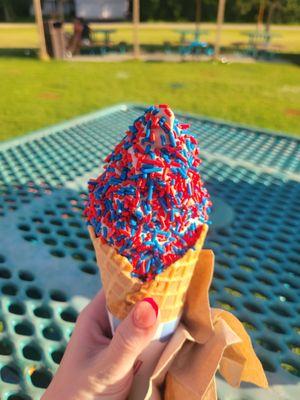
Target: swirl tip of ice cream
[150, 203]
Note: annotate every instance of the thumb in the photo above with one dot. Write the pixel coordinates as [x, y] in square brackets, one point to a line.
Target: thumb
[132, 336]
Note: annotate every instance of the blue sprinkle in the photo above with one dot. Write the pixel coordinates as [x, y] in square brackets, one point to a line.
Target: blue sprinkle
[161, 183]
[133, 129]
[172, 138]
[182, 173]
[117, 157]
[146, 209]
[163, 233]
[134, 275]
[133, 222]
[163, 140]
[148, 129]
[189, 188]
[172, 215]
[177, 198]
[184, 152]
[114, 181]
[159, 247]
[98, 227]
[176, 232]
[163, 127]
[176, 129]
[146, 228]
[139, 214]
[179, 251]
[123, 248]
[148, 265]
[124, 174]
[149, 243]
[143, 256]
[188, 144]
[136, 176]
[151, 169]
[163, 204]
[150, 193]
[127, 145]
[166, 157]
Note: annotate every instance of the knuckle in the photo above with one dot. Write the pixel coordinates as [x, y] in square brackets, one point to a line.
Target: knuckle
[123, 341]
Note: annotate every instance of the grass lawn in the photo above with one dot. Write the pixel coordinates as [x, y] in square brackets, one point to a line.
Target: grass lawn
[36, 94]
[286, 37]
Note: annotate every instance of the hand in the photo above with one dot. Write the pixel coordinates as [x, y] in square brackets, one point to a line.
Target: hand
[95, 366]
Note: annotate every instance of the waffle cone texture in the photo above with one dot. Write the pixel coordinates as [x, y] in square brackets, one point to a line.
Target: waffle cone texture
[168, 289]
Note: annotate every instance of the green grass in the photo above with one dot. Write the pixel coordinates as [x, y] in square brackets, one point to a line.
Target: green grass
[286, 37]
[35, 94]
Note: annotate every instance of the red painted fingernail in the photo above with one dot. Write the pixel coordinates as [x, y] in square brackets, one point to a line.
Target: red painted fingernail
[153, 303]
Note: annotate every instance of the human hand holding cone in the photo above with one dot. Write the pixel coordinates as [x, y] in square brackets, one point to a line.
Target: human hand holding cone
[148, 216]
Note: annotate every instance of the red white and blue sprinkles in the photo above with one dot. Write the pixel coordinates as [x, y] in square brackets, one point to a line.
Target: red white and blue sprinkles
[150, 203]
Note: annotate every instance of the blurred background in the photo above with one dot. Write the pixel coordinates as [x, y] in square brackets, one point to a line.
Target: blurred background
[236, 60]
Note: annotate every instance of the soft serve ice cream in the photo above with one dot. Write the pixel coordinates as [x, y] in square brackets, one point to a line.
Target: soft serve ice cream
[150, 203]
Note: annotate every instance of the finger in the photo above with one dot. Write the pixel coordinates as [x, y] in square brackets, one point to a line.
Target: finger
[96, 312]
[131, 337]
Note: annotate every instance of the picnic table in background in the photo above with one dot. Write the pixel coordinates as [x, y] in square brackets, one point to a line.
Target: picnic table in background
[105, 45]
[106, 33]
[259, 43]
[194, 45]
[193, 32]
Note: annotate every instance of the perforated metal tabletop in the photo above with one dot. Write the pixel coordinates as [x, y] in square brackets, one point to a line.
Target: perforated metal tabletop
[47, 265]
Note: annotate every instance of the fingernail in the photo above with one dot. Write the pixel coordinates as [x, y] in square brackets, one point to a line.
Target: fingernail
[153, 303]
[145, 313]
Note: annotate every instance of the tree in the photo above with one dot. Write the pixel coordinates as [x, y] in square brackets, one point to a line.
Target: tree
[272, 6]
[287, 10]
[7, 10]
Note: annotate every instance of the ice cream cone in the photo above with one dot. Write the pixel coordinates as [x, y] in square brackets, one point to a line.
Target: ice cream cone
[168, 289]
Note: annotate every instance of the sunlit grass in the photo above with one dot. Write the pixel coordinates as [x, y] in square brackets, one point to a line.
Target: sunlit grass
[35, 94]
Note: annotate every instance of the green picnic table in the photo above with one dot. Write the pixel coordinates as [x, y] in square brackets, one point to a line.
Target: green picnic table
[195, 45]
[195, 33]
[106, 33]
[259, 41]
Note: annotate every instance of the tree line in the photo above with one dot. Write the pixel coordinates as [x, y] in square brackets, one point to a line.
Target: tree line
[280, 11]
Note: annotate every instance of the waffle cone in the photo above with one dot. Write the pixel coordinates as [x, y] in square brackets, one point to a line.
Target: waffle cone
[168, 289]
